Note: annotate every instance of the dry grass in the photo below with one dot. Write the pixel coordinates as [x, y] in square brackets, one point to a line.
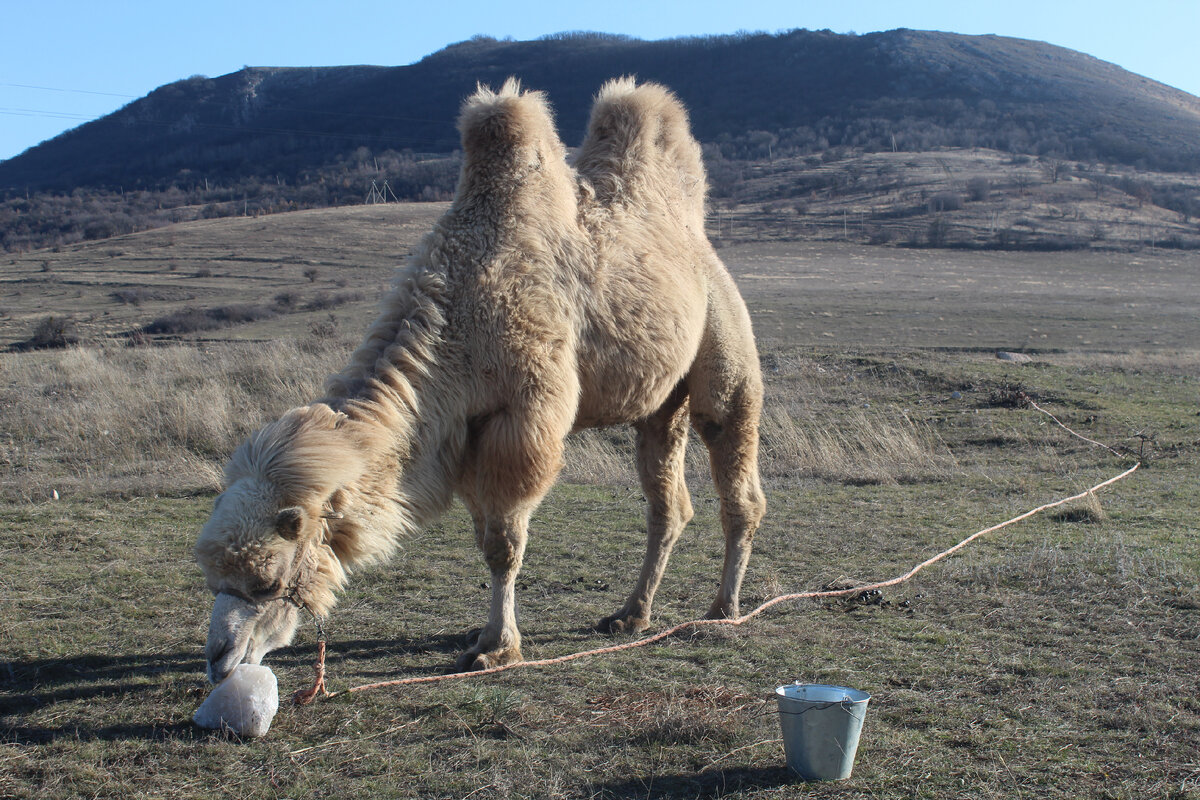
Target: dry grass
[856, 446]
[1177, 362]
[93, 421]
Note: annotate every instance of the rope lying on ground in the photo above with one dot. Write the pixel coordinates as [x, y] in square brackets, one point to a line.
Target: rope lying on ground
[306, 696]
[1025, 398]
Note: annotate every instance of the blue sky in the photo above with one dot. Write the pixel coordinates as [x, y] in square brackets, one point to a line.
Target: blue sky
[63, 62]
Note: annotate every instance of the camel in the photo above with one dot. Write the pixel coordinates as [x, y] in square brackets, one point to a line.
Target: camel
[549, 298]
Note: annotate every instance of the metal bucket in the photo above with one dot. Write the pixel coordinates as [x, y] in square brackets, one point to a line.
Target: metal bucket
[821, 725]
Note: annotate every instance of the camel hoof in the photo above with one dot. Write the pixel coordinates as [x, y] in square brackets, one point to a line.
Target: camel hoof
[618, 624]
[472, 661]
[717, 611]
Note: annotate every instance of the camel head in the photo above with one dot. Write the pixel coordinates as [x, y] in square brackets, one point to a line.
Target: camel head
[265, 550]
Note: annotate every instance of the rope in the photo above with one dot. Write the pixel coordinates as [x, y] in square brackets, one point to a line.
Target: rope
[306, 696]
[1034, 405]
[303, 697]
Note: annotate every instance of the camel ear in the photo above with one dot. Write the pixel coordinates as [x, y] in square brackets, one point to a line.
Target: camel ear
[289, 522]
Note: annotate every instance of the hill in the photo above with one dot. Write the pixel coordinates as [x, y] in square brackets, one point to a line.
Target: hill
[752, 95]
[317, 276]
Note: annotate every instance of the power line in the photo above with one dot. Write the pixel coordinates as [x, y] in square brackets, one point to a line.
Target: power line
[57, 89]
[316, 134]
[246, 129]
[36, 112]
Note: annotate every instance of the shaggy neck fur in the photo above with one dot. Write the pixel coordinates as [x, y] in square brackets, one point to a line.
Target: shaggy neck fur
[397, 418]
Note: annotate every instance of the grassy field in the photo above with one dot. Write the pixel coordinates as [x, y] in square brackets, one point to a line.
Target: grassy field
[1054, 660]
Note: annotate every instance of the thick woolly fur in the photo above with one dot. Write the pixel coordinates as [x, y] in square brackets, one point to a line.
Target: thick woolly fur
[548, 298]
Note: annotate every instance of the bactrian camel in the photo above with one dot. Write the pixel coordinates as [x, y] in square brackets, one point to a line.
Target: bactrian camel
[547, 299]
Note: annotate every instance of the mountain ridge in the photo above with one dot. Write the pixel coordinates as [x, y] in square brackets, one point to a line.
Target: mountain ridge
[810, 90]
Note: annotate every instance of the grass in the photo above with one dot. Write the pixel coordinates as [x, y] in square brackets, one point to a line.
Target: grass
[1055, 660]
[143, 421]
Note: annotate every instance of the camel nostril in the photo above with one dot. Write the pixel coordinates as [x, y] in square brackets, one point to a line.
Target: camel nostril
[214, 676]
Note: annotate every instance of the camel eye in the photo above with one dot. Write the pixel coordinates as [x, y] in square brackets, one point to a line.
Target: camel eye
[289, 522]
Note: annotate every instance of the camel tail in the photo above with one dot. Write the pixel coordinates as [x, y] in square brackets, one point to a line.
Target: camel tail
[639, 149]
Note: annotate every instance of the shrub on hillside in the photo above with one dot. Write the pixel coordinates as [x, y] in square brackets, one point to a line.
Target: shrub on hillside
[945, 201]
[137, 296]
[978, 189]
[53, 332]
[187, 320]
[192, 320]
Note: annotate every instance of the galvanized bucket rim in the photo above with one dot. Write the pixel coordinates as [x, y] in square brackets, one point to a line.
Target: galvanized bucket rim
[851, 697]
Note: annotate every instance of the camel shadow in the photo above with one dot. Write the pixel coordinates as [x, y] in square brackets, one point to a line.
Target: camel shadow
[403, 654]
[131, 678]
[32, 684]
[34, 735]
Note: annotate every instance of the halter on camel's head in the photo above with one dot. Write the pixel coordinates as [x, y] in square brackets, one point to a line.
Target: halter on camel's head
[266, 550]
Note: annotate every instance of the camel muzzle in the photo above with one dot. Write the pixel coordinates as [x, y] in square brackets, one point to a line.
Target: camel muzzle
[229, 634]
[242, 631]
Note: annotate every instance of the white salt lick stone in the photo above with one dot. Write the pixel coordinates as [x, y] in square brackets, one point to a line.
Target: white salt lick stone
[245, 702]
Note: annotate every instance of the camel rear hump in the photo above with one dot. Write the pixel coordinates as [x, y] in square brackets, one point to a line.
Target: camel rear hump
[640, 149]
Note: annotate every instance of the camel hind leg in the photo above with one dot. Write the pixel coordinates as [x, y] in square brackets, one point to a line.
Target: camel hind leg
[661, 443]
[732, 442]
[725, 388]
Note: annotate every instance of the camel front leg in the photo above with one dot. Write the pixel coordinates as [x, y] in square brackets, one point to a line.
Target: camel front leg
[499, 642]
[512, 461]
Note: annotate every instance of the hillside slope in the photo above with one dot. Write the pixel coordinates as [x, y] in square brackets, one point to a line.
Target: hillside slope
[757, 95]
